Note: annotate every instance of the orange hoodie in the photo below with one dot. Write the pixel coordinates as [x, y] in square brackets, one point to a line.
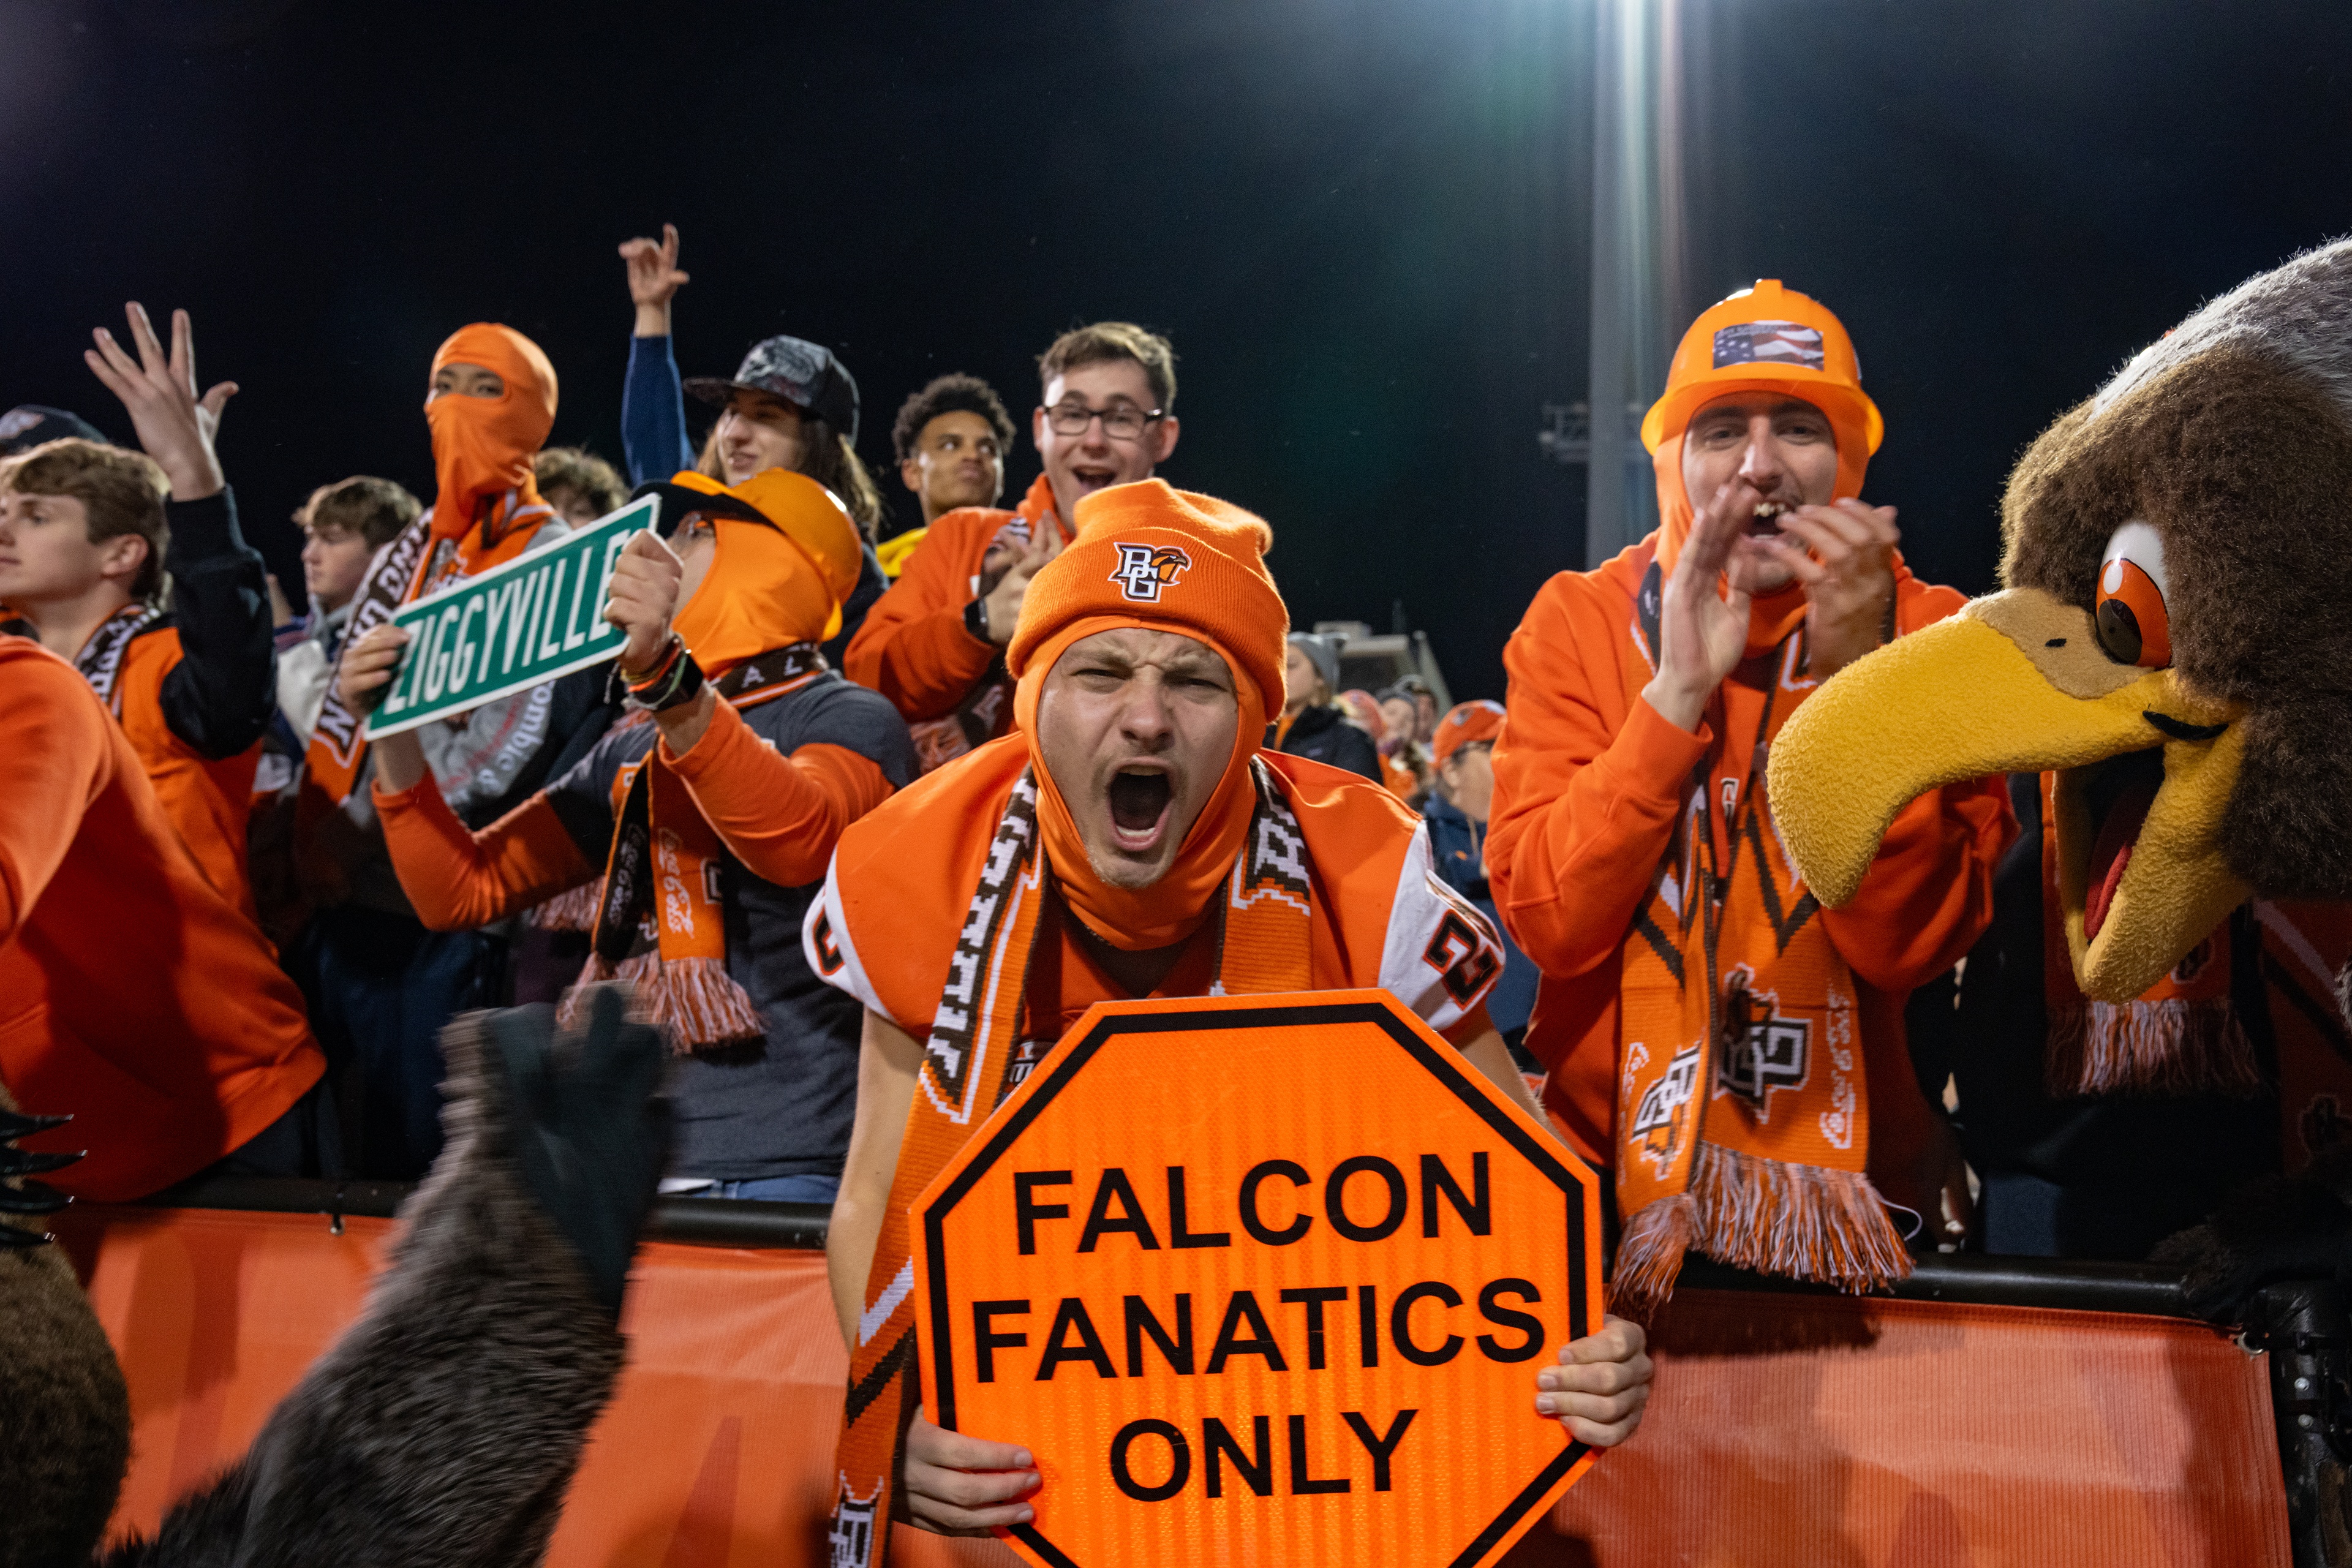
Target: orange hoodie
[132, 996]
[208, 799]
[1588, 787]
[914, 648]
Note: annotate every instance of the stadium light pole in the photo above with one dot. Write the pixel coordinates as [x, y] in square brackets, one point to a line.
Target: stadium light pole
[1637, 255]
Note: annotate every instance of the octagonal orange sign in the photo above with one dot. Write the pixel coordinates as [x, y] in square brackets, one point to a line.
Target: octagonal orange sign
[1261, 1280]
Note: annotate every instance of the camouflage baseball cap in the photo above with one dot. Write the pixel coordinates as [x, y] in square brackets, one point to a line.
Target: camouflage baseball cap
[802, 374]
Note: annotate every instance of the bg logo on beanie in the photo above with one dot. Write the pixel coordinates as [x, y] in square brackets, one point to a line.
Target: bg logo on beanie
[1144, 570]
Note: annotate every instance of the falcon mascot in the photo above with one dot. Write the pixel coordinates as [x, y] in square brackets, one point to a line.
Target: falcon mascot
[2173, 647]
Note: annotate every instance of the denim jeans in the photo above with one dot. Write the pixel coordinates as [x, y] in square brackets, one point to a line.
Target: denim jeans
[773, 1190]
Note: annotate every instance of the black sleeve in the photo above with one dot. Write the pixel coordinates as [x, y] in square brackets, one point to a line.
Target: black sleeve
[578, 717]
[871, 581]
[219, 698]
[582, 797]
[1353, 750]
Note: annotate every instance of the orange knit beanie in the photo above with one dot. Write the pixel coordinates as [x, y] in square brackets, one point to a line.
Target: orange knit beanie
[1149, 556]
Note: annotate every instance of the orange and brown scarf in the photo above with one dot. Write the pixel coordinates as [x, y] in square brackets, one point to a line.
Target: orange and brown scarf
[660, 917]
[1743, 1114]
[980, 1050]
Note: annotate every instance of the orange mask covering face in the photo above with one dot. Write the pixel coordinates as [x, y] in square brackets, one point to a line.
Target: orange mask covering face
[760, 592]
[1137, 919]
[482, 447]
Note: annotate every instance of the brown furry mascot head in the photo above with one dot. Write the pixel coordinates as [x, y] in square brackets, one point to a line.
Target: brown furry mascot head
[2175, 641]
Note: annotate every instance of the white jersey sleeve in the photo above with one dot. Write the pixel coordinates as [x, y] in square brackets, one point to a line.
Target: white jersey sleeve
[1442, 955]
[825, 941]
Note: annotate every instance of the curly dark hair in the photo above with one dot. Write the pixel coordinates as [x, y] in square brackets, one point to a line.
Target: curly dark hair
[947, 394]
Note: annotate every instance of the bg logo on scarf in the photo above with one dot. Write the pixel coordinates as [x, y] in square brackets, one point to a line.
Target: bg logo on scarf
[1658, 1123]
[1144, 570]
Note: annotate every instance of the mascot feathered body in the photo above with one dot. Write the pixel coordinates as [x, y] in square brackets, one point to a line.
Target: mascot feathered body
[445, 1426]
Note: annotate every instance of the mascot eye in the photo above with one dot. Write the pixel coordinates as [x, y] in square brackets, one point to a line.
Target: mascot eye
[2133, 628]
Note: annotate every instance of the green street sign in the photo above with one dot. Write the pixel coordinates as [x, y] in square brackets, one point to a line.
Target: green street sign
[531, 619]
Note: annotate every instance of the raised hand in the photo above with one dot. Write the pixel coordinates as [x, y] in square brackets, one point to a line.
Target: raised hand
[1005, 600]
[1702, 634]
[1845, 555]
[642, 598]
[653, 280]
[175, 426]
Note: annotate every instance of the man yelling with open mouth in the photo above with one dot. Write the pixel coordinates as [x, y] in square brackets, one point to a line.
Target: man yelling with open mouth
[1128, 839]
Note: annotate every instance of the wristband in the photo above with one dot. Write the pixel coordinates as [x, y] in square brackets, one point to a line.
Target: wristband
[975, 620]
[676, 679]
[659, 667]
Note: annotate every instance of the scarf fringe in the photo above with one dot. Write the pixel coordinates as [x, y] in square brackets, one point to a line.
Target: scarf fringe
[2168, 1047]
[1649, 1256]
[571, 910]
[1799, 1222]
[694, 1003]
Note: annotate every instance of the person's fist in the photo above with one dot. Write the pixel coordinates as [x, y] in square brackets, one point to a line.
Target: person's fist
[367, 667]
[642, 598]
[1601, 1385]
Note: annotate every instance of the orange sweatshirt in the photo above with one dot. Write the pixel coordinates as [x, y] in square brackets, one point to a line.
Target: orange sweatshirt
[132, 996]
[780, 815]
[1588, 787]
[207, 800]
[914, 648]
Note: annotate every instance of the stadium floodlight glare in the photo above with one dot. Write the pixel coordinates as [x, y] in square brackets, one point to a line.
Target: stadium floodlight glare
[1637, 253]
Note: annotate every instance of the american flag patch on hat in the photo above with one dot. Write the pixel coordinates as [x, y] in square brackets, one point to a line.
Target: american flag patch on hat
[1768, 342]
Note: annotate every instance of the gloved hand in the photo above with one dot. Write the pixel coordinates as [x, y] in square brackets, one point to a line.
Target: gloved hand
[19, 1193]
[588, 1133]
[2281, 1227]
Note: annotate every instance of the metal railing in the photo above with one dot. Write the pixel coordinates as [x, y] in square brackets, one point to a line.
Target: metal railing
[2141, 1287]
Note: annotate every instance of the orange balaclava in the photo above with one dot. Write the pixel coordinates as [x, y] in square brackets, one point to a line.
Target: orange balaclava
[1148, 556]
[482, 447]
[1764, 338]
[784, 559]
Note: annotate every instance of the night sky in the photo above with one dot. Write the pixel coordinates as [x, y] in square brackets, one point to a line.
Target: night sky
[1363, 225]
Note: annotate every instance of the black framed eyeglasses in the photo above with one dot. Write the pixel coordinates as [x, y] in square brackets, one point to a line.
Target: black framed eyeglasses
[1121, 421]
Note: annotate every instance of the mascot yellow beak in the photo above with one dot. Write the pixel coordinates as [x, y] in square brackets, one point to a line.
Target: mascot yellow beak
[2015, 683]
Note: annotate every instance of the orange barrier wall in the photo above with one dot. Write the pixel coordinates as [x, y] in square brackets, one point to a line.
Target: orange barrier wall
[1785, 1431]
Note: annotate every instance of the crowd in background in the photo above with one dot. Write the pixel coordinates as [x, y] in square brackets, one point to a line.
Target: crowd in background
[268, 783]
[510, 854]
